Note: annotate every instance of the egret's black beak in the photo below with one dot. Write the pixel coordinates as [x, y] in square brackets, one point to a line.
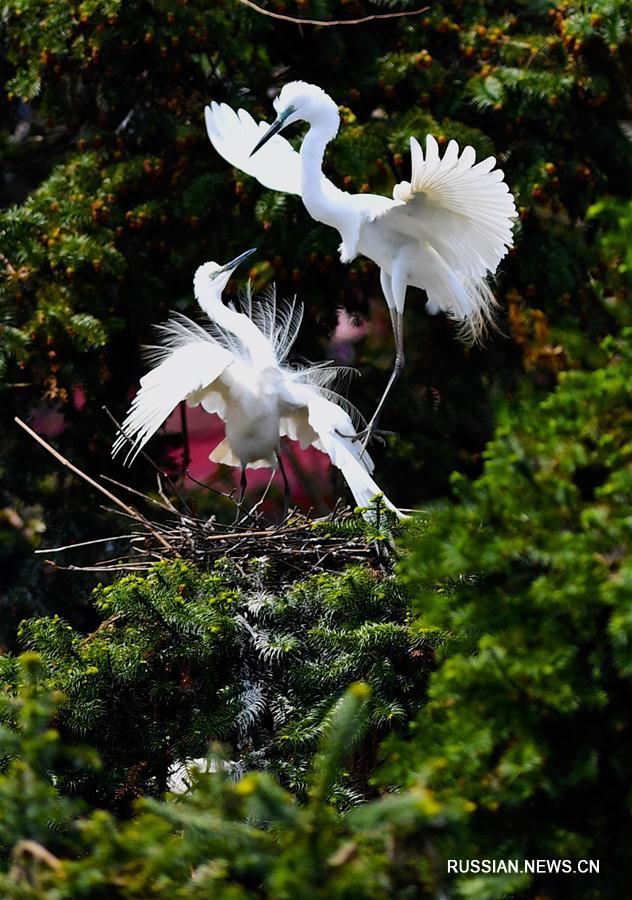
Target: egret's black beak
[238, 259]
[272, 130]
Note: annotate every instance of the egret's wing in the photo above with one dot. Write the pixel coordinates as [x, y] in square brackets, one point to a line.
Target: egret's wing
[235, 134]
[310, 415]
[462, 208]
[191, 371]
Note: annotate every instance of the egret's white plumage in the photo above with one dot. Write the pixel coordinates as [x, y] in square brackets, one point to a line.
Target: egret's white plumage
[444, 231]
[236, 367]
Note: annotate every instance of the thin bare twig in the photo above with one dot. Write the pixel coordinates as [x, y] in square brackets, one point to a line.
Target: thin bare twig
[145, 497]
[124, 567]
[118, 537]
[134, 514]
[329, 24]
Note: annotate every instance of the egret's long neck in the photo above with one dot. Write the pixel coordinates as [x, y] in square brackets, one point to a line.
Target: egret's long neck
[318, 203]
[227, 319]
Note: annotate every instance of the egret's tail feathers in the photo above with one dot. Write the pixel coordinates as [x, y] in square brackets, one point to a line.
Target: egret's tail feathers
[361, 483]
[469, 301]
[464, 207]
[474, 328]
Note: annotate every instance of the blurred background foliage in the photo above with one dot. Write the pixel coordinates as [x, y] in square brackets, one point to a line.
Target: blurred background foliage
[519, 574]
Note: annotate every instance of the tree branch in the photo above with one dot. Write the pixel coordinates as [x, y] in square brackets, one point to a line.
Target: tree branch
[328, 24]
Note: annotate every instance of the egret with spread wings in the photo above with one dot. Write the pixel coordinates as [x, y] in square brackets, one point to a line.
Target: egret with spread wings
[444, 231]
[235, 367]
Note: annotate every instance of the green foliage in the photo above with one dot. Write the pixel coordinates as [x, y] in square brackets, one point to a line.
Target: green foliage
[615, 253]
[182, 658]
[31, 806]
[138, 687]
[238, 839]
[529, 710]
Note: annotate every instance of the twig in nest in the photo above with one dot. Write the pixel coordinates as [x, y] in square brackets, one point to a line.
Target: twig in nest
[251, 514]
[126, 487]
[330, 24]
[105, 540]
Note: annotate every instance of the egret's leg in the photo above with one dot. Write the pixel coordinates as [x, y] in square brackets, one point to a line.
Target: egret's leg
[394, 288]
[387, 290]
[286, 487]
[251, 514]
[398, 332]
[243, 483]
[186, 455]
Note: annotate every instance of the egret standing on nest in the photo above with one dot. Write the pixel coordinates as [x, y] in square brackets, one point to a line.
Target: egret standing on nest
[235, 368]
[444, 230]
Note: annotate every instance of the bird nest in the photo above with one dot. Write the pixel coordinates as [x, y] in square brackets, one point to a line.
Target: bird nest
[162, 526]
[299, 545]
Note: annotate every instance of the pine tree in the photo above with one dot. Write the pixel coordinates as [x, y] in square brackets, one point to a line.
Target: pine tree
[242, 838]
[183, 658]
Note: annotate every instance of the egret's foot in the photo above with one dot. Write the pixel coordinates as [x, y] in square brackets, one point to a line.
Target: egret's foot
[286, 489]
[369, 434]
[378, 434]
[285, 515]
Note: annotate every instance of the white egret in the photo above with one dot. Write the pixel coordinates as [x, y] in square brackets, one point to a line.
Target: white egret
[235, 367]
[444, 230]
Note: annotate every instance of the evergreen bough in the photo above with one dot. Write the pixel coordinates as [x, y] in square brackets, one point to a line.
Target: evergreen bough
[528, 712]
[183, 658]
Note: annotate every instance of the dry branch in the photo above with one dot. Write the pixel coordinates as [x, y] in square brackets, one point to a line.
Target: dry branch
[295, 20]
